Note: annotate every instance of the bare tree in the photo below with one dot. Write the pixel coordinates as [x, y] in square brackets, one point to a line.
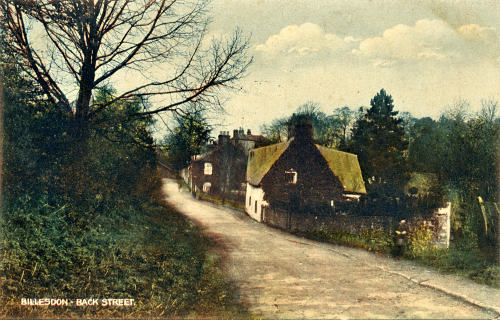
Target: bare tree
[489, 109]
[91, 42]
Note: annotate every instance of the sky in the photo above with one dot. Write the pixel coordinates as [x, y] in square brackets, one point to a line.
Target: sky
[426, 54]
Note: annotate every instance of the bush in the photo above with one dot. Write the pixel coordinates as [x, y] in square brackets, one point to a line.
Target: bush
[105, 236]
[158, 258]
[419, 241]
[372, 240]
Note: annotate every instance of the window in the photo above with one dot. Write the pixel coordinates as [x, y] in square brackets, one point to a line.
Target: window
[255, 206]
[206, 187]
[250, 201]
[208, 169]
[291, 176]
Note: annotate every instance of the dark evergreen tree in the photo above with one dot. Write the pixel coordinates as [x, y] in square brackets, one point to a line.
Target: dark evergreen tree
[379, 141]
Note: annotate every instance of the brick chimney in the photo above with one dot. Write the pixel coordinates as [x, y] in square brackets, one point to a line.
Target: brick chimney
[302, 130]
[223, 137]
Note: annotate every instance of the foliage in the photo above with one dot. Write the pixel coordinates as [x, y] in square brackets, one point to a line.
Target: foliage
[467, 262]
[470, 263]
[187, 139]
[371, 239]
[115, 240]
[277, 131]
[379, 141]
[158, 258]
[35, 139]
[470, 158]
[471, 154]
[419, 241]
[426, 146]
[341, 122]
[329, 130]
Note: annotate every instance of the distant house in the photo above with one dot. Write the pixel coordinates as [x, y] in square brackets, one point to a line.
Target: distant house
[221, 171]
[300, 176]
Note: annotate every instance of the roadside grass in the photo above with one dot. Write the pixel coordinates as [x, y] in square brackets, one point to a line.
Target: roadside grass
[225, 202]
[144, 251]
[468, 263]
[206, 197]
[371, 240]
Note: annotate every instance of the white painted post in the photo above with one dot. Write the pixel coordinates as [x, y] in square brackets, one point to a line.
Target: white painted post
[444, 219]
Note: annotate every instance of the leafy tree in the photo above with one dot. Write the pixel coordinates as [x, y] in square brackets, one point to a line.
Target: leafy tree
[469, 169]
[378, 140]
[426, 146]
[187, 139]
[35, 137]
[122, 157]
[470, 158]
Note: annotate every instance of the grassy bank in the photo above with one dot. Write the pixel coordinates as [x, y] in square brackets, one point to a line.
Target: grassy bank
[83, 217]
[147, 252]
[467, 262]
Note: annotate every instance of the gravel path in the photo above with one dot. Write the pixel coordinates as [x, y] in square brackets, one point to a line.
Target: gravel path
[283, 276]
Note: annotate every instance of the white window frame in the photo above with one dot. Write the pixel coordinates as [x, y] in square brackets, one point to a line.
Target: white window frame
[207, 169]
[290, 172]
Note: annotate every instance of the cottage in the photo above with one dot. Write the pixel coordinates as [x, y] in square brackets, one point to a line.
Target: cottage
[221, 171]
[300, 176]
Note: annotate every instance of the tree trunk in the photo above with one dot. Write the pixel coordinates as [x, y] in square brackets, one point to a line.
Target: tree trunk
[78, 183]
[1, 149]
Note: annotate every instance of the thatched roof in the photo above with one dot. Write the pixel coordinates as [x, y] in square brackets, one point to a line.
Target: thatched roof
[261, 159]
[344, 165]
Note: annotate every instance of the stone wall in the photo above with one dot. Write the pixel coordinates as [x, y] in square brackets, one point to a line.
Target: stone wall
[309, 222]
[439, 224]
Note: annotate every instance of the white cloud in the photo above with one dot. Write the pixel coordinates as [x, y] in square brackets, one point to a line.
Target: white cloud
[476, 33]
[431, 40]
[303, 40]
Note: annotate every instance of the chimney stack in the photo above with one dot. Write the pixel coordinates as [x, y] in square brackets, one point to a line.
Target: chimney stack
[223, 137]
[301, 129]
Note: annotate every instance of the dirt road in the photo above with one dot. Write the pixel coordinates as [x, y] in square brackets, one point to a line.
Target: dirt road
[283, 276]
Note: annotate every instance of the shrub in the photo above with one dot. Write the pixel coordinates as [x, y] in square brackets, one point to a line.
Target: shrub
[419, 241]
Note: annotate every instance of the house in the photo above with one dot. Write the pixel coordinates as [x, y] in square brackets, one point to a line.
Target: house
[300, 176]
[248, 141]
[221, 171]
